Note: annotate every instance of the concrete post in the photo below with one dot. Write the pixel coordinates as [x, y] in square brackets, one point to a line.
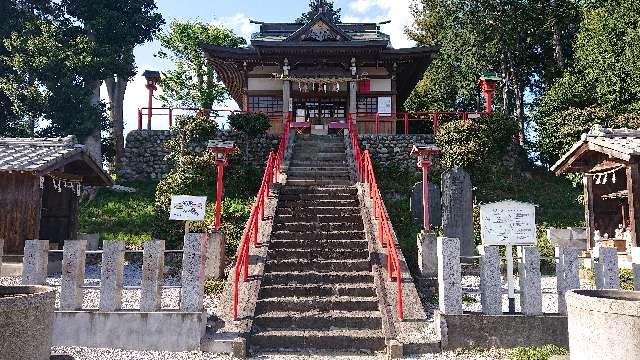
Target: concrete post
[73, 261]
[286, 95]
[152, 275]
[567, 274]
[34, 262]
[215, 261]
[353, 96]
[490, 281]
[449, 276]
[112, 274]
[193, 259]
[531, 289]
[635, 265]
[606, 268]
[1, 254]
[427, 254]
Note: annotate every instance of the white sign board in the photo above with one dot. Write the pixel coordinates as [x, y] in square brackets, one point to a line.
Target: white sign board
[384, 105]
[185, 207]
[508, 222]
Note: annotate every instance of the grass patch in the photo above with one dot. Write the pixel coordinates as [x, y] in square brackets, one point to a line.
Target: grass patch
[213, 287]
[468, 299]
[537, 353]
[120, 215]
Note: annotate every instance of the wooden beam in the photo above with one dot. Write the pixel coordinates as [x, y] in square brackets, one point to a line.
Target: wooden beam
[633, 186]
[566, 164]
[587, 181]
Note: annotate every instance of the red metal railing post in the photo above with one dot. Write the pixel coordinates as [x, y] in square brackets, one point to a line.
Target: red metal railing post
[139, 119]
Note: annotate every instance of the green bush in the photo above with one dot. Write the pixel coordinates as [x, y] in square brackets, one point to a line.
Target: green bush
[537, 353]
[213, 287]
[250, 124]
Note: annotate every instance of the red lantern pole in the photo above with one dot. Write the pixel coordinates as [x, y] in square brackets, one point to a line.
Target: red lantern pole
[220, 149]
[220, 164]
[425, 164]
[488, 82]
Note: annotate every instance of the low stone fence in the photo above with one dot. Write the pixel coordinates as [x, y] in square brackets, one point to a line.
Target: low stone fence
[393, 149]
[493, 328]
[145, 152]
[148, 328]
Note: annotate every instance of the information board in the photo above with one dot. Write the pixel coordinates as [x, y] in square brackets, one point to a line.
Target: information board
[508, 222]
[185, 207]
[384, 105]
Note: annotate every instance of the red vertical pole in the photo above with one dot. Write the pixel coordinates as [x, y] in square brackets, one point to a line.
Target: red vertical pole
[150, 112]
[488, 101]
[406, 123]
[377, 124]
[425, 193]
[435, 123]
[139, 119]
[170, 118]
[219, 188]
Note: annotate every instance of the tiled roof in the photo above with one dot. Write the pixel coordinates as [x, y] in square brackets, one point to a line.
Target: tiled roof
[22, 154]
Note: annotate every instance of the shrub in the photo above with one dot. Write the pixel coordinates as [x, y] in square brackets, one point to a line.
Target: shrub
[537, 353]
[250, 124]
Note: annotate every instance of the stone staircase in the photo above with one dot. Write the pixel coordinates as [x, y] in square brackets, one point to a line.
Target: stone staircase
[318, 288]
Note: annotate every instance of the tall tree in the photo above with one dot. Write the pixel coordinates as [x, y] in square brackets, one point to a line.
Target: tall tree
[193, 83]
[317, 6]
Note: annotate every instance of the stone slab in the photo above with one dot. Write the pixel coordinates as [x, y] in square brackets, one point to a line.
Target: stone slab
[457, 209]
[427, 254]
[449, 276]
[34, 262]
[73, 267]
[490, 281]
[111, 275]
[415, 204]
[215, 263]
[606, 268]
[152, 275]
[193, 264]
[530, 281]
[93, 241]
[635, 267]
[130, 330]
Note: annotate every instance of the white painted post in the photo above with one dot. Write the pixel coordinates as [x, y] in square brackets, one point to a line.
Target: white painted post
[73, 262]
[34, 262]
[449, 276]
[111, 275]
[152, 275]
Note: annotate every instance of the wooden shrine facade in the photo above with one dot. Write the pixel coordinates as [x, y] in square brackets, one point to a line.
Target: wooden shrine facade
[609, 160]
[320, 72]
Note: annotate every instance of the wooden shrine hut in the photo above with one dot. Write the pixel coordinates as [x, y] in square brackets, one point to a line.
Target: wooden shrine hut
[40, 185]
[321, 72]
[609, 160]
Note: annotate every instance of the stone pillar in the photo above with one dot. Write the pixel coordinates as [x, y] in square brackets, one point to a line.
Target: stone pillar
[606, 268]
[490, 281]
[34, 262]
[353, 96]
[567, 274]
[286, 95]
[73, 261]
[193, 259]
[111, 277]
[635, 265]
[427, 254]
[152, 275]
[449, 276]
[530, 285]
[214, 268]
[1, 254]
[457, 209]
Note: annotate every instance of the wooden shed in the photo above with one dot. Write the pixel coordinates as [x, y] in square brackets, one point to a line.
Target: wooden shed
[40, 186]
[609, 161]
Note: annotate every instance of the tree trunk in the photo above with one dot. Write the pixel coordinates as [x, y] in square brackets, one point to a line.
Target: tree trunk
[93, 142]
[519, 111]
[116, 87]
[557, 37]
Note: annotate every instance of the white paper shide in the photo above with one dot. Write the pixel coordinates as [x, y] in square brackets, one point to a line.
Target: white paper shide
[508, 222]
[185, 207]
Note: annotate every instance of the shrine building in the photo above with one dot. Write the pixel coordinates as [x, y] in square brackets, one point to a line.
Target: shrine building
[320, 72]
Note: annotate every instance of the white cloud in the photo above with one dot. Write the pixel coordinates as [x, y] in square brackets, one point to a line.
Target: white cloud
[398, 11]
[239, 23]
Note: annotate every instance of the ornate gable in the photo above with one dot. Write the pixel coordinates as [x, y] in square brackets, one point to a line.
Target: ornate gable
[319, 29]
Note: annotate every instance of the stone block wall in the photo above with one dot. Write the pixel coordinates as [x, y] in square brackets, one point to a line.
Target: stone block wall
[386, 149]
[145, 153]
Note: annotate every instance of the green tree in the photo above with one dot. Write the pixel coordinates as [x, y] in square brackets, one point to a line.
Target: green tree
[317, 6]
[193, 83]
[603, 85]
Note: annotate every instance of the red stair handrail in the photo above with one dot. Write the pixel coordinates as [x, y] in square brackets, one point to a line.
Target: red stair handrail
[251, 229]
[367, 176]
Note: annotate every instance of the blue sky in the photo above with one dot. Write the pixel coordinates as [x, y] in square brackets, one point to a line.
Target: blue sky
[235, 15]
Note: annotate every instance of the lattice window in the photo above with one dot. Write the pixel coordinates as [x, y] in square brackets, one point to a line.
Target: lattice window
[265, 104]
[368, 104]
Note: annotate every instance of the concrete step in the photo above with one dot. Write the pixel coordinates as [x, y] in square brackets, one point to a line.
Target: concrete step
[309, 204]
[326, 290]
[336, 235]
[315, 197]
[319, 168]
[314, 218]
[316, 303]
[319, 254]
[319, 182]
[343, 339]
[315, 174]
[320, 157]
[314, 227]
[333, 190]
[316, 320]
[314, 277]
[320, 211]
[317, 163]
[318, 265]
[329, 244]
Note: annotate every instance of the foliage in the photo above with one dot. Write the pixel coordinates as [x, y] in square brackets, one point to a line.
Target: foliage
[316, 6]
[603, 87]
[537, 353]
[213, 287]
[193, 83]
[476, 144]
[120, 215]
[250, 124]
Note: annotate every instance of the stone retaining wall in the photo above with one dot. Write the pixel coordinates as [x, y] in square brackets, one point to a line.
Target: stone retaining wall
[144, 155]
[386, 149]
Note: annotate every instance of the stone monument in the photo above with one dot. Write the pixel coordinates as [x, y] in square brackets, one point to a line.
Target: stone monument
[457, 208]
[435, 213]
